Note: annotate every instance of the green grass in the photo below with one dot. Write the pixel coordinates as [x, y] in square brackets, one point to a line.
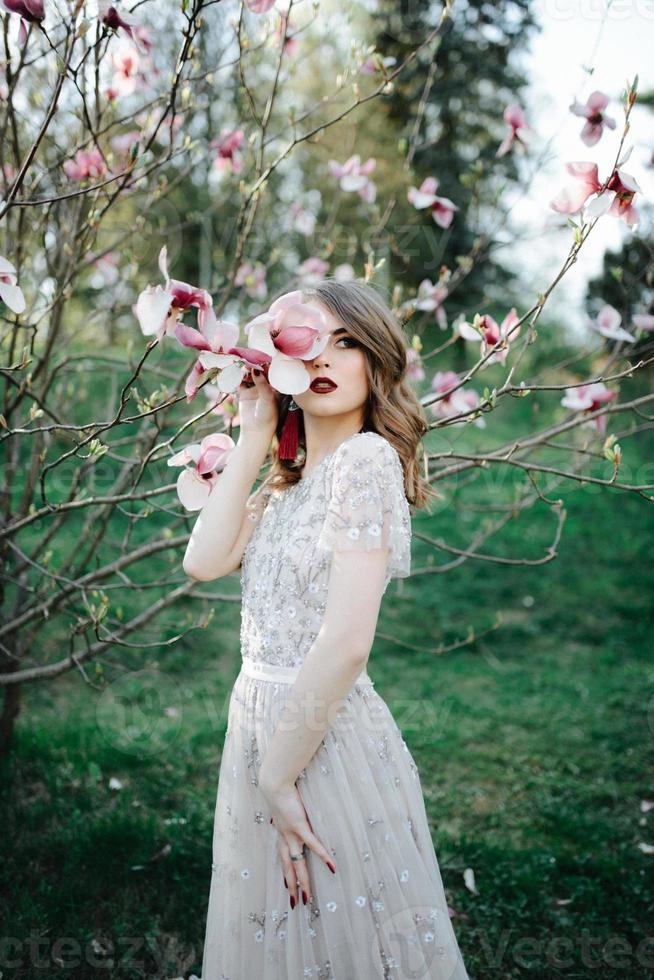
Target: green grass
[534, 746]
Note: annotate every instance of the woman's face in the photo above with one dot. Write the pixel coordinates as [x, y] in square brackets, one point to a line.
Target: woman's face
[343, 361]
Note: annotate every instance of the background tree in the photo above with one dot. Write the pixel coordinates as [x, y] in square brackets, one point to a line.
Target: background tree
[206, 133]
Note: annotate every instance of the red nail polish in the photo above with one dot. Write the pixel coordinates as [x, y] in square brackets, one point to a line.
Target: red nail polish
[331, 867]
[304, 896]
[292, 902]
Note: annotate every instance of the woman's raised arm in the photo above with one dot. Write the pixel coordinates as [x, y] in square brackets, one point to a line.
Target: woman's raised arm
[218, 530]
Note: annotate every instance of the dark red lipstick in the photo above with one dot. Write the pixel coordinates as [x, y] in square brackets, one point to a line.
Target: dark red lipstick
[322, 385]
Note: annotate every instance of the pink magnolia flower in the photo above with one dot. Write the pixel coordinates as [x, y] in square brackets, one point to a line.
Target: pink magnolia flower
[253, 277]
[284, 25]
[217, 345]
[430, 297]
[107, 265]
[415, 371]
[588, 398]
[290, 332]
[159, 309]
[344, 272]
[514, 117]
[227, 146]
[608, 324]
[311, 270]
[301, 220]
[123, 145]
[10, 292]
[87, 165]
[376, 63]
[30, 12]
[593, 112]
[119, 20]
[203, 462]
[259, 6]
[353, 176]
[126, 62]
[616, 198]
[573, 197]
[486, 329]
[442, 209]
[454, 402]
[644, 321]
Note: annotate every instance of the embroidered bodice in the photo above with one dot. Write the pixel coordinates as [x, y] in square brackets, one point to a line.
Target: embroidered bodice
[353, 499]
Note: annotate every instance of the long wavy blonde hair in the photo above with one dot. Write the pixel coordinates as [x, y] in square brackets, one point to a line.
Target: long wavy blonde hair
[392, 408]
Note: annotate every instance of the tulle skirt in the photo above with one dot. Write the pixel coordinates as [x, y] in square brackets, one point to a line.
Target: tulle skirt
[384, 912]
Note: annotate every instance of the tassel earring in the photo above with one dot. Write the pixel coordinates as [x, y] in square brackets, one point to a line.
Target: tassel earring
[288, 442]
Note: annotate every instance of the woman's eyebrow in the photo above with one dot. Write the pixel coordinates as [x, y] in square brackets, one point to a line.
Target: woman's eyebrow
[338, 330]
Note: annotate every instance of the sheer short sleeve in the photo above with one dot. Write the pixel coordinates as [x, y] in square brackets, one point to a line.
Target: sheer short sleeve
[367, 506]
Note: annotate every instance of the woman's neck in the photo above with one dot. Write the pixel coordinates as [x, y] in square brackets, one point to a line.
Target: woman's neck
[318, 449]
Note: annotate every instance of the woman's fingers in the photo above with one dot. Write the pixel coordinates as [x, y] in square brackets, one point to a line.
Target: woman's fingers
[296, 873]
[321, 851]
[299, 883]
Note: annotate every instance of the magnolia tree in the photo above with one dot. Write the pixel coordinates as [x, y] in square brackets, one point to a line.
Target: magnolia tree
[113, 123]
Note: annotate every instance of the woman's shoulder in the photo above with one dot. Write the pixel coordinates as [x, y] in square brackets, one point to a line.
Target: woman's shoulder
[369, 445]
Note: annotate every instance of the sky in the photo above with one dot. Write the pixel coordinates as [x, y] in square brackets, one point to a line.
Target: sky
[617, 41]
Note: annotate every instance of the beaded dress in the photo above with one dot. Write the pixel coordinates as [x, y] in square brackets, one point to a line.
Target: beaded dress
[384, 913]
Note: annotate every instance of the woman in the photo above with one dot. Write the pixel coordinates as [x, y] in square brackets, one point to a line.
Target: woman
[319, 798]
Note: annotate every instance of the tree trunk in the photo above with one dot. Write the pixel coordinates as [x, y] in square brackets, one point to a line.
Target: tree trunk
[10, 710]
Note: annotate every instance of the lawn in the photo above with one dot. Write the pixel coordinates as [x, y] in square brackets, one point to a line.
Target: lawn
[534, 746]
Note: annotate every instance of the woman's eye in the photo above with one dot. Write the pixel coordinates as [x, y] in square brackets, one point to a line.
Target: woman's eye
[348, 340]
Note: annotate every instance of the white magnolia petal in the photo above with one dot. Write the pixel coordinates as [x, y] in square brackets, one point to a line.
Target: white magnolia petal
[644, 321]
[469, 880]
[616, 333]
[627, 154]
[608, 317]
[467, 331]
[230, 377]
[283, 302]
[353, 182]
[259, 338]
[219, 333]
[288, 375]
[189, 454]
[629, 182]
[210, 360]
[576, 400]
[163, 262]
[428, 303]
[151, 309]
[219, 439]
[6, 268]
[421, 200]
[317, 347]
[12, 296]
[599, 205]
[192, 490]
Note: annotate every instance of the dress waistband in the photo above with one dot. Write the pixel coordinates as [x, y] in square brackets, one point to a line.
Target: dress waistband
[284, 675]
